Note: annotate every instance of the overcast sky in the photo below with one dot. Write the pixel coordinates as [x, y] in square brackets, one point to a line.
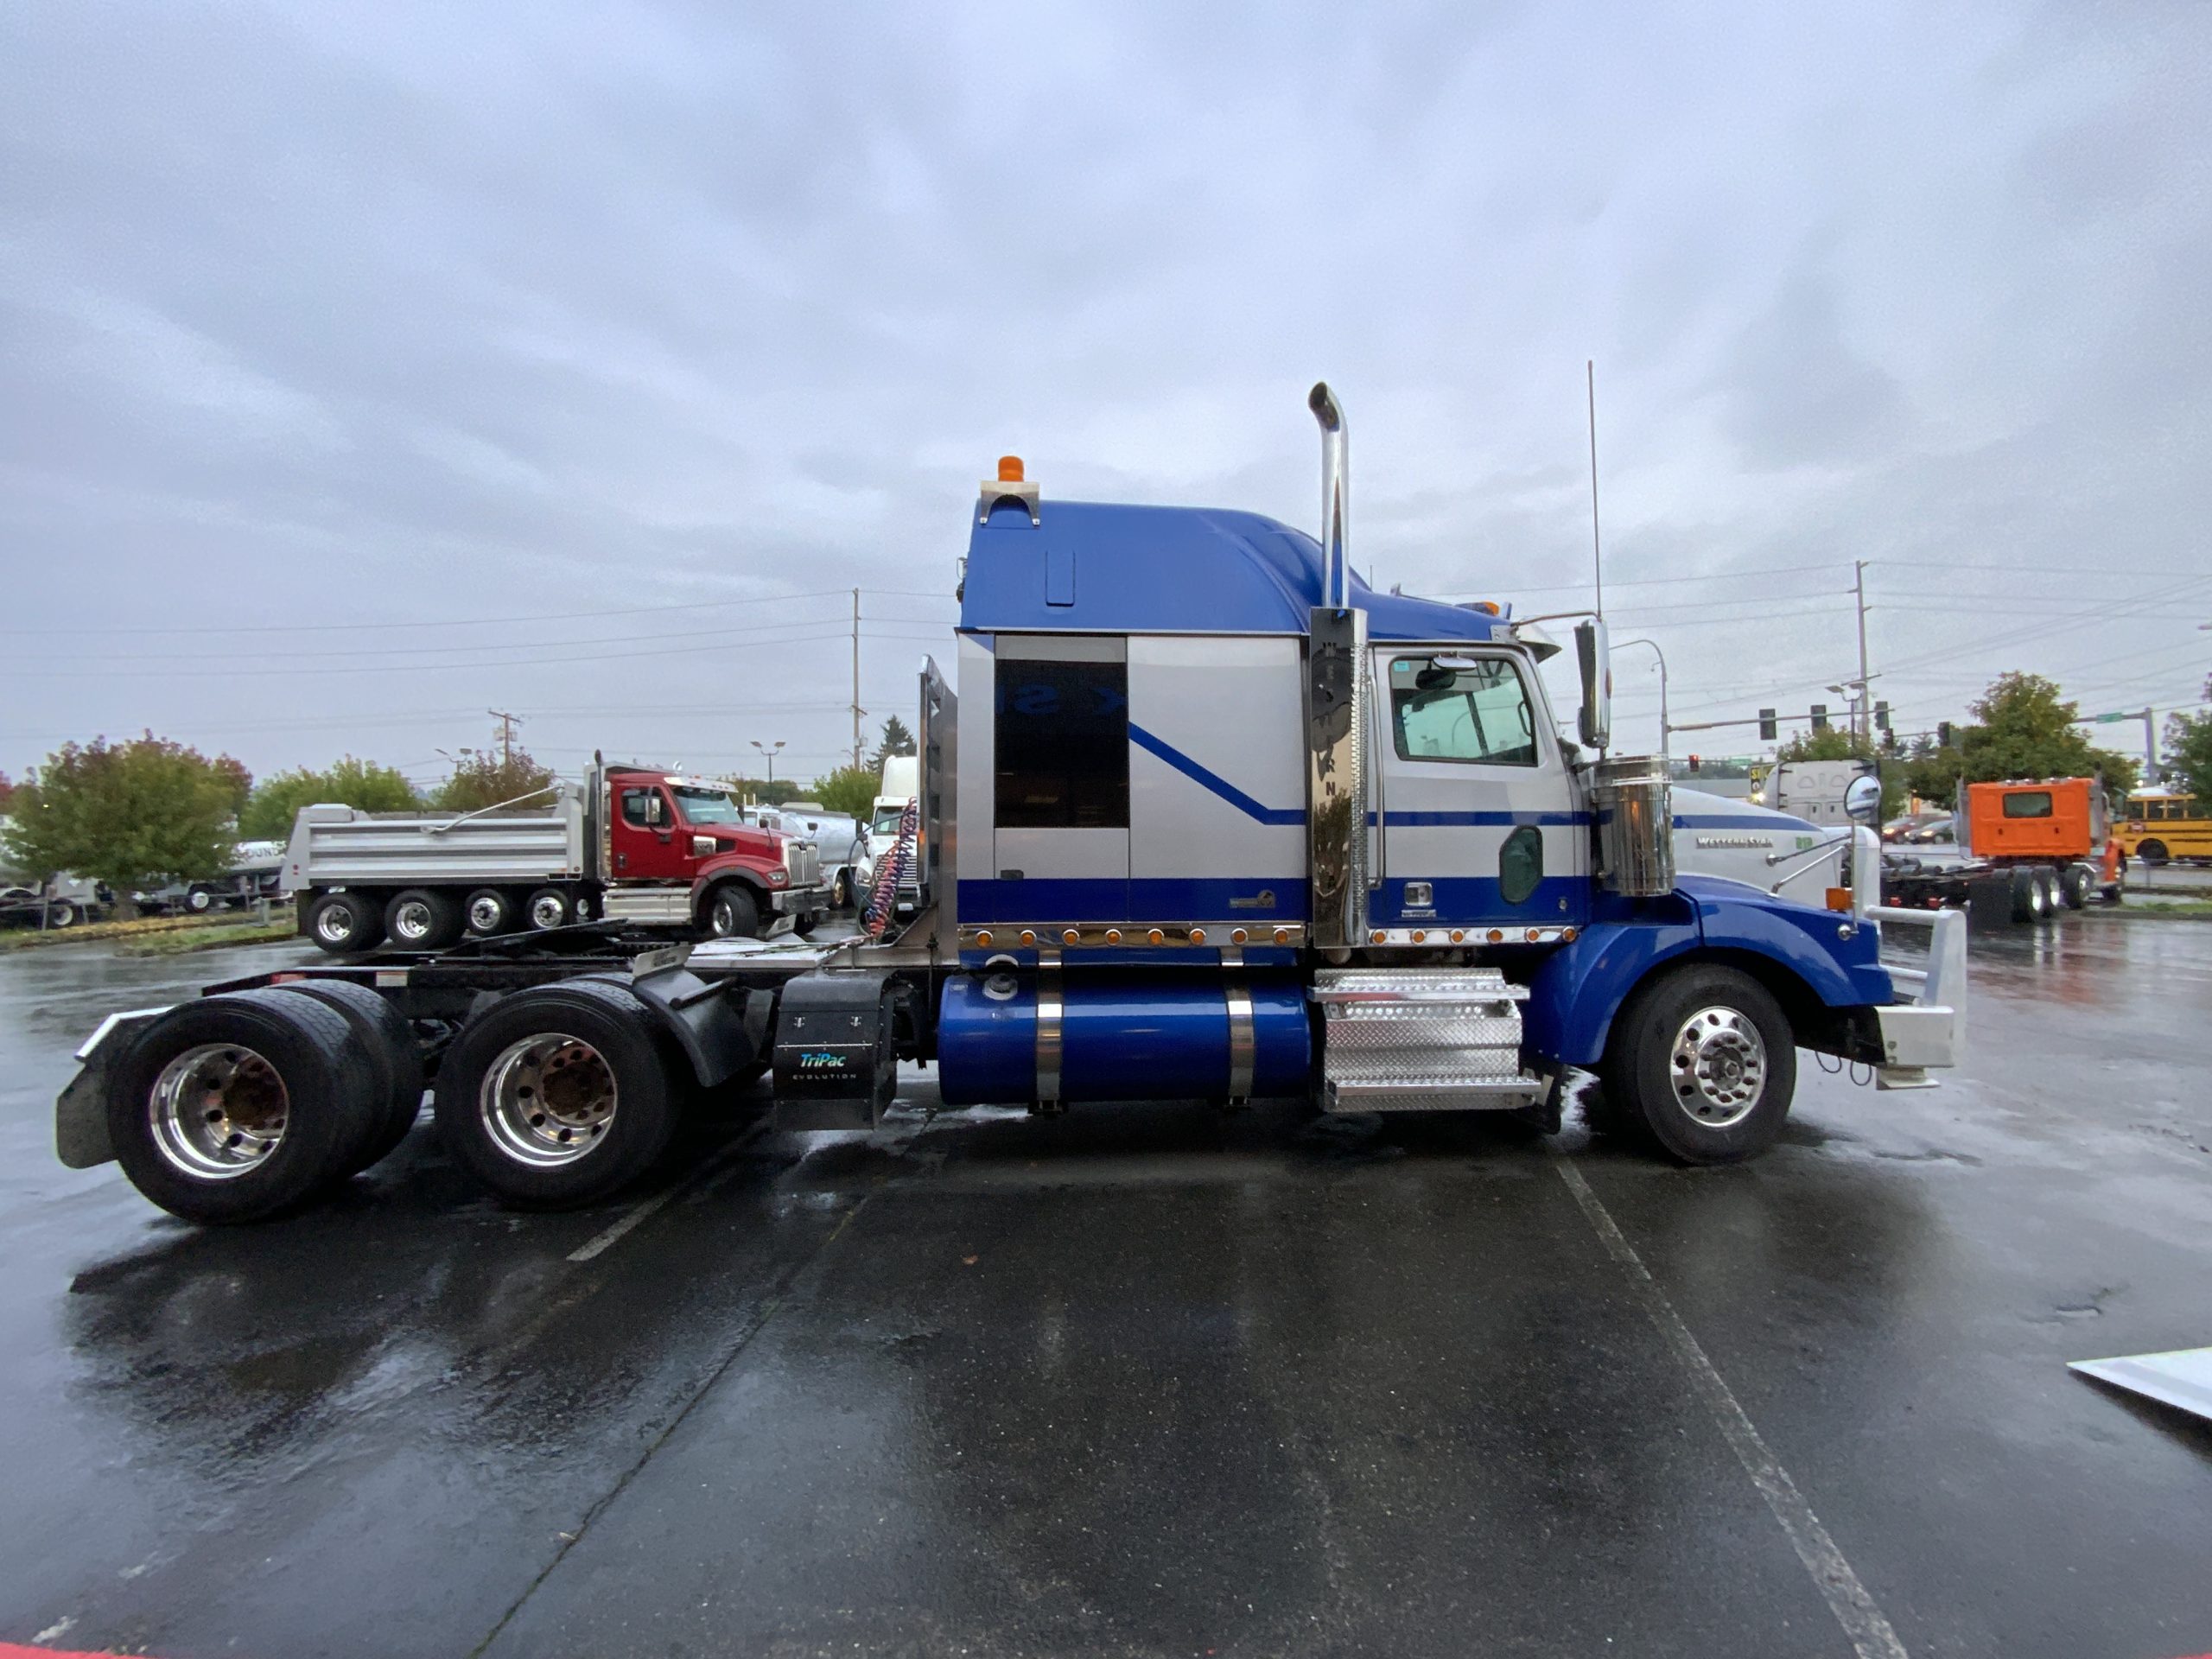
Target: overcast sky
[369, 365]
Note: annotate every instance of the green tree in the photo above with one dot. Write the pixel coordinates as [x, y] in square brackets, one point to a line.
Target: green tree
[128, 814]
[276, 803]
[850, 789]
[897, 740]
[8, 788]
[483, 777]
[2026, 729]
[2188, 749]
[1932, 771]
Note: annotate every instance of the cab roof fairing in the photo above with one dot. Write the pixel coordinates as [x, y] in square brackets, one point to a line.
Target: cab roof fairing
[1084, 566]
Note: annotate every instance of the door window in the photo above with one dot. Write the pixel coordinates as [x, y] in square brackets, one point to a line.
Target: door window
[1478, 713]
[641, 807]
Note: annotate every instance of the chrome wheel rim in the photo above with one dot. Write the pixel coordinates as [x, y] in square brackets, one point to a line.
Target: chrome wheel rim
[548, 1100]
[547, 910]
[725, 918]
[334, 925]
[217, 1111]
[485, 914]
[411, 921]
[1718, 1066]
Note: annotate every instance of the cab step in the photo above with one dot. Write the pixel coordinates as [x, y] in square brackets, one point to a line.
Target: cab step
[1422, 1039]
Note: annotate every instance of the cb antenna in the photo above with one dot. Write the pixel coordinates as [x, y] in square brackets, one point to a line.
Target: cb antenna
[1596, 552]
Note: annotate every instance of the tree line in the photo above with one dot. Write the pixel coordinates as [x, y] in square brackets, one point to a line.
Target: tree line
[147, 811]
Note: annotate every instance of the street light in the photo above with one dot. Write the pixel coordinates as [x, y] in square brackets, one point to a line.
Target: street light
[770, 752]
[1662, 655]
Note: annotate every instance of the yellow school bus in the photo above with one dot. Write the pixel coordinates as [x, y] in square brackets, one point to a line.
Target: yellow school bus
[2162, 825]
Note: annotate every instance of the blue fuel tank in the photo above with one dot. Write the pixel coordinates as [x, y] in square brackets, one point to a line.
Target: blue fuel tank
[1119, 1040]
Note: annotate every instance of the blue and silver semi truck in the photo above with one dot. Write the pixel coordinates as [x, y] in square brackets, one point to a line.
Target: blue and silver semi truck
[1201, 816]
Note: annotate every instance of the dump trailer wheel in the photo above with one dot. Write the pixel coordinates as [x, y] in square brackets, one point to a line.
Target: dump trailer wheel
[546, 908]
[423, 919]
[731, 912]
[557, 1095]
[487, 911]
[233, 1108]
[1704, 1059]
[61, 914]
[2078, 883]
[345, 923]
[395, 1065]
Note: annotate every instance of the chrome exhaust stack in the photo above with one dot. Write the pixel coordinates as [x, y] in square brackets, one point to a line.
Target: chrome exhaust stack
[1337, 712]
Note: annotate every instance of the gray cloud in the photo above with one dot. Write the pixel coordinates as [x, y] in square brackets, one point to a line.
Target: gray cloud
[320, 317]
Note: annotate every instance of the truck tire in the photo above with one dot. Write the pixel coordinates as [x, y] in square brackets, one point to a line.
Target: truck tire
[841, 893]
[423, 919]
[233, 1108]
[1703, 1061]
[198, 899]
[344, 923]
[731, 912]
[62, 914]
[547, 908]
[2030, 901]
[395, 1065]
[487, 912]
[558, 1095]
[2152, 852]
[2054, 895]
[2078, 883]
[804, 924]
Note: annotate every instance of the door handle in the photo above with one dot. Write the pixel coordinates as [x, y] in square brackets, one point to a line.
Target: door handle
[665, 837]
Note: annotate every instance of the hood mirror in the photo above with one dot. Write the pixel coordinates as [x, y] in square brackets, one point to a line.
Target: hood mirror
[1862, 799]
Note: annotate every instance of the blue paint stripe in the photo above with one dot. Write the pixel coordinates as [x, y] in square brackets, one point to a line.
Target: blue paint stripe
[1214, 781]
[1483, 820]
[1740, 821]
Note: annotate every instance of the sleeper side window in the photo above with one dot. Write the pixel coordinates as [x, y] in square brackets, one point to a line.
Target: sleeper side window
[1478, 712]
[2034, 804]
[1063, 745]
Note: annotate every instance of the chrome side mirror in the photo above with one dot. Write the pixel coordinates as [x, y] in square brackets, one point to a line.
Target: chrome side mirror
[1862, 799]
[1596, 722]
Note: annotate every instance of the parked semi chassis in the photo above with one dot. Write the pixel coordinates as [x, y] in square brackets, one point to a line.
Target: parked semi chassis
[2025, 851]
[1209, 819]
[633, 844]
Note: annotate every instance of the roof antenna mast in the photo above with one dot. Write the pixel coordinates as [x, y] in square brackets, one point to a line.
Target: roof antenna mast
[1596, 553]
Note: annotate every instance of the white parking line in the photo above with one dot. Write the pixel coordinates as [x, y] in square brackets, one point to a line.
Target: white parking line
[1850, 1602]
[638, 1212]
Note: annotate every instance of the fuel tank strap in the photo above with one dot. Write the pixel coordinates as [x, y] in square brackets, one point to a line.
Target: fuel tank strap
[1244, 1041]
[1050, 1042]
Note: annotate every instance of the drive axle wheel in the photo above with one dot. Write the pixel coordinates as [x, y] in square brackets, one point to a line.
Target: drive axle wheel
[232, 1108]
[557, 1095]
[1704, 1060]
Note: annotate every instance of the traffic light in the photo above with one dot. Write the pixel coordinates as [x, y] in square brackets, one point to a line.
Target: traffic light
[1942, 734]
[1882, 716]
[1766, 726]
[1693, 765]
[1820, 716]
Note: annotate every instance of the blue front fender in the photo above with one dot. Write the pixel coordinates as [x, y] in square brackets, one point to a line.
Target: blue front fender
[1581, 986]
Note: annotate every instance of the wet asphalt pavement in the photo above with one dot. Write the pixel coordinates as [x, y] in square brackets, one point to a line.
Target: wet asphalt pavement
[1151, 1379]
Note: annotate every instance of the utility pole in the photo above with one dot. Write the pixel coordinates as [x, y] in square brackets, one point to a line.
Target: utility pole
[1861, 712]
[856, 679]
[507, 724]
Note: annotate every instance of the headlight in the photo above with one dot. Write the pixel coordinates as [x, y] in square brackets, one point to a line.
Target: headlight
[777, 878]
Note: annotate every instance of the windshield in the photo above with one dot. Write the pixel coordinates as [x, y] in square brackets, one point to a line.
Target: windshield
[706, 805]
[886, 821]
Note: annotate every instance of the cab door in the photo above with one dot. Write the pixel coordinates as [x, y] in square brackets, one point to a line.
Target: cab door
[1476, 822]
[649, 841]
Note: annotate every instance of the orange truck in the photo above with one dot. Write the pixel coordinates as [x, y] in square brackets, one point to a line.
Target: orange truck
[2025, 851]
[2056, 828]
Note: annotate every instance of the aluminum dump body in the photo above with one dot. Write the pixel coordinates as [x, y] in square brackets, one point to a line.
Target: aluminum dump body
[341, 846]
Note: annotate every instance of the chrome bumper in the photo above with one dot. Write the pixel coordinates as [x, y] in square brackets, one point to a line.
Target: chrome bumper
[1929, 1032]
[795, 901]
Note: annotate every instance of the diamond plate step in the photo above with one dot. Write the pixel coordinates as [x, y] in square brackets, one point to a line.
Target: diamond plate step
[1421, 1039]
